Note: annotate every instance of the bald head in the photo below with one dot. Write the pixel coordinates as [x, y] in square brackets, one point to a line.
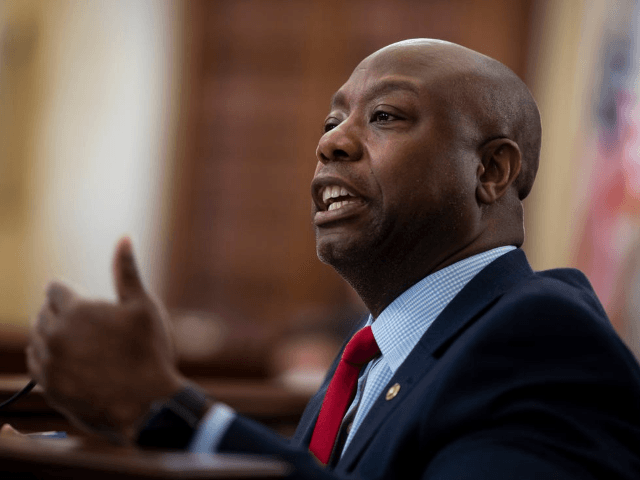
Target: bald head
[484, 96]
[428, 150]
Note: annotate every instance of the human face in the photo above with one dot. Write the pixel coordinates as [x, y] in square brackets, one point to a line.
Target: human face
[397, 172]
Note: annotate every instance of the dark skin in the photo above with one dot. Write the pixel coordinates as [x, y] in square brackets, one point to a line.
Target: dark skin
[430, 178]
[104, 364]
[428, 184]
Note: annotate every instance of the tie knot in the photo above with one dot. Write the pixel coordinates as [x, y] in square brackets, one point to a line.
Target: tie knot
[361, 348]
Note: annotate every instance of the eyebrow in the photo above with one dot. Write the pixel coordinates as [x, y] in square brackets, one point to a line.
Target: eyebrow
[380, 88]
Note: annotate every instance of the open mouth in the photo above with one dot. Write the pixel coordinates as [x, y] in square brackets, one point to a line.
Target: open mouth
[335, 197]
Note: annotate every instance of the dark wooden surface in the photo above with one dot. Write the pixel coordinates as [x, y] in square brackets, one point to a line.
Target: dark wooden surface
[81, 458]
[262, 400]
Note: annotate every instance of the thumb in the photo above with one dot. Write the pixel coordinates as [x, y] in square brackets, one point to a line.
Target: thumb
[8, 431]
[125, 273]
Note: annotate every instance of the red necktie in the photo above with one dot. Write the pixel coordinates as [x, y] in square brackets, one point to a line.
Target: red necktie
[358, 352]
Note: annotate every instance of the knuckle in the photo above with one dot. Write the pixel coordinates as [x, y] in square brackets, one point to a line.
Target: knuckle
[42, 320]
[52, 287]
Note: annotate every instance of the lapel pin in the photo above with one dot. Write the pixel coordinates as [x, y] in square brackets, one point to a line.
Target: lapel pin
[392, 392]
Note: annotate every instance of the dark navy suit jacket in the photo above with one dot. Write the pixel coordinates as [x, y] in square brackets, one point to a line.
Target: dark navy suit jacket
[521, 376]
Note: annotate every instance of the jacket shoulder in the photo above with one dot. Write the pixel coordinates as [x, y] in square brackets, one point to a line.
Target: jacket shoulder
[559, 293]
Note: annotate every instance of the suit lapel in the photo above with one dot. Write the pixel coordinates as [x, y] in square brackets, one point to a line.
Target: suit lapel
[303, 433]
[475, 298]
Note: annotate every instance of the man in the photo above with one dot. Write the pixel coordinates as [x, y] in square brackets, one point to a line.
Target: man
[486, 369]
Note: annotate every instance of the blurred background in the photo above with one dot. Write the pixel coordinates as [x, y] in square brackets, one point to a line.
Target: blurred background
[191, 126]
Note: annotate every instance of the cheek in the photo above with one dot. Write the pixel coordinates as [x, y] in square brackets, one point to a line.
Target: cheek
[411, 176]
[419, 186]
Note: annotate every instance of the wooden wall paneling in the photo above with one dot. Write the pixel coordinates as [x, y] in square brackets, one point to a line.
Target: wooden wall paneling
[188, 150]
[246, 197]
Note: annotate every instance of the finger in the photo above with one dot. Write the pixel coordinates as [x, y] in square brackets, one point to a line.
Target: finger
[8, 431]
[34, 365]
[45, 321]
[60, 297]
[38, 343]
[37, 351]
[125, 272]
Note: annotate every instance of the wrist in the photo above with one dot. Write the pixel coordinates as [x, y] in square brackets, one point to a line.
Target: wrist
[172, 422]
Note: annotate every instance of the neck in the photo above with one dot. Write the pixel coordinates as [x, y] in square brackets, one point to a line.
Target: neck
[379, 283]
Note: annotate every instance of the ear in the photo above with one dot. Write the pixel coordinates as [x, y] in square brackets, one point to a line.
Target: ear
[499, 167]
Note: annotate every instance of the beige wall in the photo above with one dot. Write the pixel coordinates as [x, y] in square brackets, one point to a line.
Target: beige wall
[565, 47]
[88, 116]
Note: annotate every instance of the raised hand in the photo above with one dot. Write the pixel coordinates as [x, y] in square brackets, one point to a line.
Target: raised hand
[103, 364]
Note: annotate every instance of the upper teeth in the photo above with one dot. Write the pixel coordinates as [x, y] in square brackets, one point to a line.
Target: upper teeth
[334, 191]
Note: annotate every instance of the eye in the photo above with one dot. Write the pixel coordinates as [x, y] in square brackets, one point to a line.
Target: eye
[382, 117]
[330, 124]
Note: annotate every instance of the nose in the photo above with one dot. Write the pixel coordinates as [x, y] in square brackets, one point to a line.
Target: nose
[342, 143]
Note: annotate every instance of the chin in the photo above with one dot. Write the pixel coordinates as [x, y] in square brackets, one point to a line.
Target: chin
[342, 257]
[327, 254]
[349, 250]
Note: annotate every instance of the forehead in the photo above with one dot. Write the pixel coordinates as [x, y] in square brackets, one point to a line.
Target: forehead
[418, 73]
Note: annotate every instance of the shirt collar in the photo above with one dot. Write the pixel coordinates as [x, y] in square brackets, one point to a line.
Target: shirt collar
[400, 326]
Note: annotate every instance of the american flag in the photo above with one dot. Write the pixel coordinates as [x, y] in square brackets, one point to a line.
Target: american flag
[609, 246]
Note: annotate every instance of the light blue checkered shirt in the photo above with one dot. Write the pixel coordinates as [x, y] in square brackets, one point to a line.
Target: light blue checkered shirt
[401, 325]
[397, 331]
